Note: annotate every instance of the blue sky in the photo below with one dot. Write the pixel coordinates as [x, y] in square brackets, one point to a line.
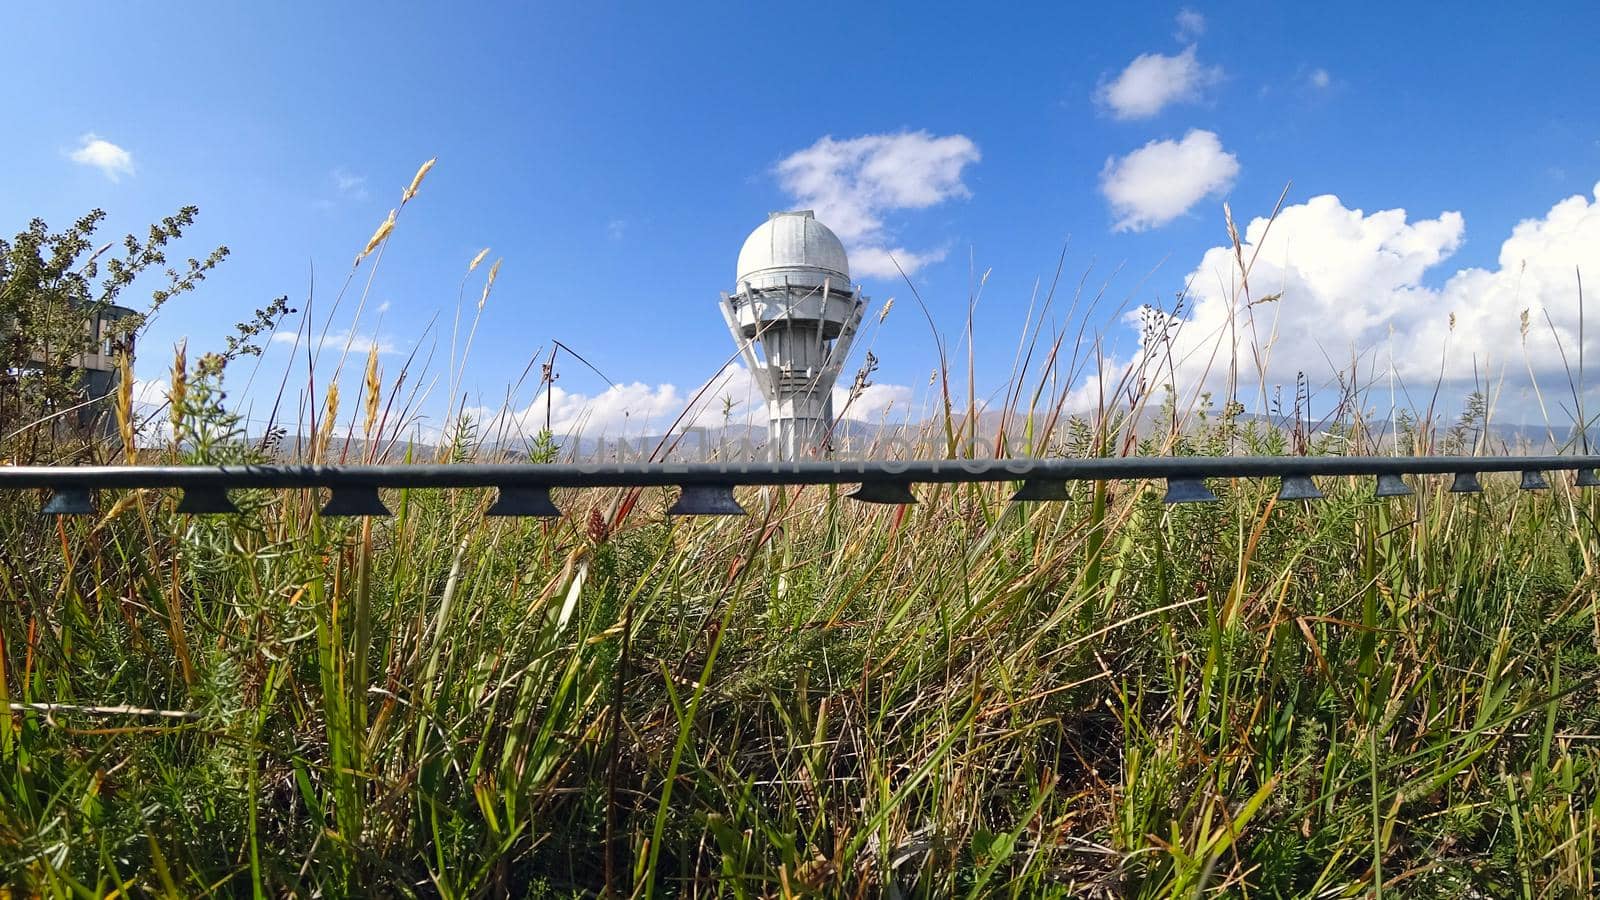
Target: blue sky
[614, 157]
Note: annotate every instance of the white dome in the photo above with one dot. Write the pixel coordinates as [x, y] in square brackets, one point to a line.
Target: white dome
[793, 248]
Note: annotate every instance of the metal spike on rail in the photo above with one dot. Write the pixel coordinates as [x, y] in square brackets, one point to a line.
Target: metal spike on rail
[206, 501]
[1589, 478]
[883, 492]
[70, 500]
[1390, 484]
[1466, 483]
[1298, 487]
[706, 500]
[1188, 490]
[1533, 480]
[355, 500]
[518, 500]
[1046, 489]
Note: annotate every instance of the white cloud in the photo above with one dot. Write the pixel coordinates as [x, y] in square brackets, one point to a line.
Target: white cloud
[1191, 25]
[644, 410]
[634, 409]
[628, 410]
[360, 343]
[1161, 180]
[149, 398]
[112, 161]
[1098, 391]
[343, 187]
[1320, 78]
[349, 186]
[877, 403]
[616, 229]
[622, 409]
[1352, 285]
[853, 184]
[1154, 80]
[878, 262]
[150, 392]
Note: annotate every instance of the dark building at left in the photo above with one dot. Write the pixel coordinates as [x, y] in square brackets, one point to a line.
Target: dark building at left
[96, 367]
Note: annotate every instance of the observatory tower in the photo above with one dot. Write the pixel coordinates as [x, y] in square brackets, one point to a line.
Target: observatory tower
[793, 313]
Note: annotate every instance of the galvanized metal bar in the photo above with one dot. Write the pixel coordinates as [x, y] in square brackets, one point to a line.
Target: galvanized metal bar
[525, 488]
[483, 475]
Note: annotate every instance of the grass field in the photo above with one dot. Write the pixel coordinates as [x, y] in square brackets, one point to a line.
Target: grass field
[1105, 697]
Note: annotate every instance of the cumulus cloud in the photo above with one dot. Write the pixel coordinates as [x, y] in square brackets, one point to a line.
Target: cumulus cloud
[637, 409]
[877, 403]
[1343, 284]
[619, 411]
[150, 392]
[627, 410]
[343, 187]
[634, 409]
[336, 340]
[99, 153]
[854, 184]
[878, 262]
[149, 398]
[349, 185]
[1190, 25]
[1320, 78]
[1161, 180]
[1153, 81]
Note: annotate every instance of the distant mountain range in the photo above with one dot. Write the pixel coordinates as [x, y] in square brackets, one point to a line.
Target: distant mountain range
[858, 439]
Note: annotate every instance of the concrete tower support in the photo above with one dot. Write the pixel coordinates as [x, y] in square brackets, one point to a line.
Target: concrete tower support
[793, 314]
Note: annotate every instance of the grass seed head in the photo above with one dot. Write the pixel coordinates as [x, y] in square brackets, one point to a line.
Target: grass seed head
[377, 238]
[373, 386]
[178, 390]
[416, 181]
[598, 528]
[329, 417]
[494, 271]
[125, 405]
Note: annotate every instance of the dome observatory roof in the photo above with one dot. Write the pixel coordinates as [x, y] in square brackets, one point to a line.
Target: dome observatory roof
[793, 248]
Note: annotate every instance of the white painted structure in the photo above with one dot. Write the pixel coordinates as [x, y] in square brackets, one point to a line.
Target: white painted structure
[794, 314]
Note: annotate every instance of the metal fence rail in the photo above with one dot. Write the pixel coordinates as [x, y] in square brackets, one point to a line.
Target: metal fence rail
[707, 488]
